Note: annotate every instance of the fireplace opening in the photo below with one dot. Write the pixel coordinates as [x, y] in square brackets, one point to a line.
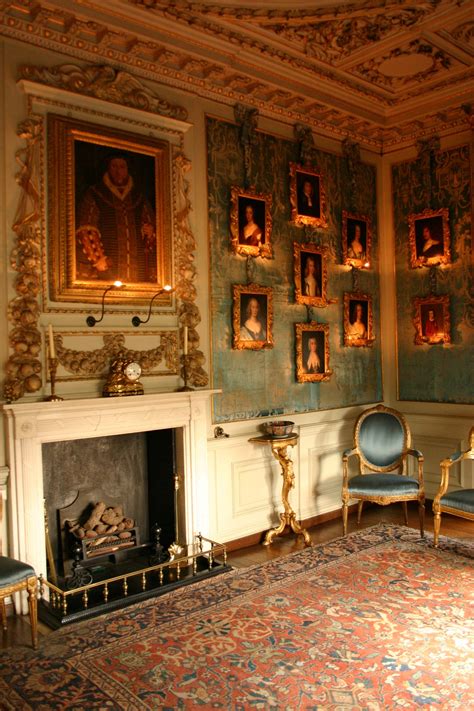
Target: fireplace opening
[136, 471]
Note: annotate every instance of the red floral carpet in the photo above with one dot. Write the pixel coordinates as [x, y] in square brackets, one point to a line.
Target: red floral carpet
[376, 620]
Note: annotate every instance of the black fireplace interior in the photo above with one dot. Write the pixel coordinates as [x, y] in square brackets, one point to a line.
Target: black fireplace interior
[135, 469]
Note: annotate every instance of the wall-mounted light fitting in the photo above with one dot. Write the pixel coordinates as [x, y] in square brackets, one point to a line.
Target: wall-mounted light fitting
[136, 320]
[91, 320]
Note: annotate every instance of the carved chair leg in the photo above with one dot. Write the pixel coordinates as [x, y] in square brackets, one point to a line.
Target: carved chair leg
[33, 609]
[344, 517]
[405, 512]
[436, 526]
[360, 505]
[3, 612]
[421, 512]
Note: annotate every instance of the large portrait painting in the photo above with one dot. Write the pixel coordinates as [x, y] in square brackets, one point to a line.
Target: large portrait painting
[312, 352]
[109, 212]
[358, 320]
[252, 316]
[250, 222]
[307, 196]
[356, 240]
[432, 320]
[310, 274]
[429, 238]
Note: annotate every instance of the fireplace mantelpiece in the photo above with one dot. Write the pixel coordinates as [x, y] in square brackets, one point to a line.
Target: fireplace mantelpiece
[29, 425]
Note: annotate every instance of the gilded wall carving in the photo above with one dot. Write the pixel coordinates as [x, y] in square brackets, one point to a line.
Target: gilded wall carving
[436, 373]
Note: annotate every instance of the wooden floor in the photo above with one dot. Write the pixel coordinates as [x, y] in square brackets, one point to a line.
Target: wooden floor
[18, 633]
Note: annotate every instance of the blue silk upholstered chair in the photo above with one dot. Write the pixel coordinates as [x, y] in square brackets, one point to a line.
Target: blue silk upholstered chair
[382, 444]
[458, 503]
[16, 576]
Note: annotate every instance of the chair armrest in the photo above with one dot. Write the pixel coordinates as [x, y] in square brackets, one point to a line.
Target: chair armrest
[415, 453]
[349, 453]
[452, 459]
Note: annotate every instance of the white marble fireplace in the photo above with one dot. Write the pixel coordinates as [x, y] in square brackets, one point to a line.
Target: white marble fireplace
[29, 426]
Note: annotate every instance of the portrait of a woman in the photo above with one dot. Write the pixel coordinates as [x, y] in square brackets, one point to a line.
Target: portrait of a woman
[313, 362]
[356, 248]
[310, 277]
[357, 328]
[252, 328]
[250, 233]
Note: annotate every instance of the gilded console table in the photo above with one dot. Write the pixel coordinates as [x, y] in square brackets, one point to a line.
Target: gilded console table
[279, 447]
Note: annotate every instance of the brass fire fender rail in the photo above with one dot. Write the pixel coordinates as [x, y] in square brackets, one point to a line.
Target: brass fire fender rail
[59, 597]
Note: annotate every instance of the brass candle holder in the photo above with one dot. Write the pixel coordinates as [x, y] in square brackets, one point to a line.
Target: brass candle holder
[53, 366]
[185, 388]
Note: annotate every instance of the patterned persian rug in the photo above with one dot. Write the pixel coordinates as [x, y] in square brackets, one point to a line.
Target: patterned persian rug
[376, 620]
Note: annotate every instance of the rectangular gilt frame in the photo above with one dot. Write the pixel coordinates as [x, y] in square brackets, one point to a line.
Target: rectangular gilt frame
[416, 223]
[421, 306]
[68, 140]
[239, 197]
[301, 351]
[238, 316]
[347, 219]
[351, 339]
[314, 176]
[320, 252]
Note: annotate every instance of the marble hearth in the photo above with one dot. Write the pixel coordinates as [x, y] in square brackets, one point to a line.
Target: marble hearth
[30, 425]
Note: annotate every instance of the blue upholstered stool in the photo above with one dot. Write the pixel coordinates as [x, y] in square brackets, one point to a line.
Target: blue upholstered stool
[15, 577]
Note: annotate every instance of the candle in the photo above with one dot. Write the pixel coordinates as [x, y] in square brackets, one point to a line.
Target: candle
[52, 350]
[185, 340]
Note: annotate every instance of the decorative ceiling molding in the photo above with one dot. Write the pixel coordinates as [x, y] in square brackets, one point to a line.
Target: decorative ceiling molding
[344, 85]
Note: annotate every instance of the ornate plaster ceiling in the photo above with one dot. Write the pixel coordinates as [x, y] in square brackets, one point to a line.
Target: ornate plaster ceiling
[384, 72]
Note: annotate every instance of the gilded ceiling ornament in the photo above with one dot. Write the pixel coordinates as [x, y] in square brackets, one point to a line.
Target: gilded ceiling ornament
[106, 83]
[23, 368]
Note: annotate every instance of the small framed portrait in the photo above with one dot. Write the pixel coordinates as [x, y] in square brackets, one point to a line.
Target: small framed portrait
[356, 240]
[252, 316]
[307, 196]
[429, 238]
[310, 274]
[358, 320]
[109, 212]
[251, 222]
[312, 352]
[432, 321]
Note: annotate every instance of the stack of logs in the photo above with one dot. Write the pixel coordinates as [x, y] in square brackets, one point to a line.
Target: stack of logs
[104, 525]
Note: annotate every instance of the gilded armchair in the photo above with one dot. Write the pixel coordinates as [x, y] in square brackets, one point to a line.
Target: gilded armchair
[458, 503]
[382, 444]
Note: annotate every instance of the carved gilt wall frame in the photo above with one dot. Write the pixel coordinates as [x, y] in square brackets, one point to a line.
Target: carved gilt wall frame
[24, 369]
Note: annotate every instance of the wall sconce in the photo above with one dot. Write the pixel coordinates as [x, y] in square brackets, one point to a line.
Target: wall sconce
[136, 320]
[91, 320]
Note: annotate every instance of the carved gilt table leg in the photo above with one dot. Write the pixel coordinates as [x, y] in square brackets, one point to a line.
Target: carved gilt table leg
[279, 448]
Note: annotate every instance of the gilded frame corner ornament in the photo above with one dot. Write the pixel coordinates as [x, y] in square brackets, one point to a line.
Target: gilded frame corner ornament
[429, 238]
[358, 320]
[87, 202]
[254, 237]
[432, 320]
[356, 232]
[249, 301]
[310, 283]
[312, 364]
[307, 196]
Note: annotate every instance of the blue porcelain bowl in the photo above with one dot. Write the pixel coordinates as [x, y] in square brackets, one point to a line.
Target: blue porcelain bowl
[279, 428]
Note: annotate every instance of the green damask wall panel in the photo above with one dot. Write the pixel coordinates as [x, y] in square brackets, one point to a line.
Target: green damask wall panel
[443, 372]
[262, 383]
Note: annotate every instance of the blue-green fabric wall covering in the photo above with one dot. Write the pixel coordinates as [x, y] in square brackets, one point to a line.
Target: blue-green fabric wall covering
[443, 372]
[262, 383]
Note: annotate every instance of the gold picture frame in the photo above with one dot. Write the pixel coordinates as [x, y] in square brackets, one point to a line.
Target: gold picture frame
[432, 320]
[109, 207]
[250, 222]
[358, 320]
[310, 273]
[356, 240]
[429, 238]
[307, 196]
[312, 352]
[252, 316]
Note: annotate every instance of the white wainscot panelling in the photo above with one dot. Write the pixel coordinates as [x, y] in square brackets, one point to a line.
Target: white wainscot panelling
[245, 488]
